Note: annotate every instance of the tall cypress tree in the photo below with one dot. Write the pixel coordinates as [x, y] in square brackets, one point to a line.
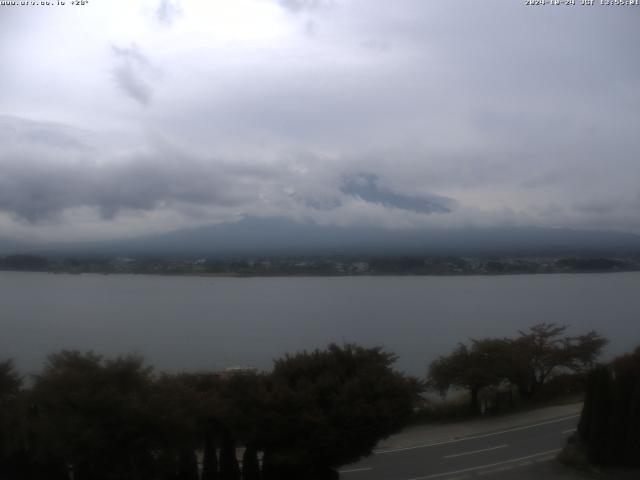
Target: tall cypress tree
[268, 470]
[167, 465]
[210, 459]
[610, 421]
[632, 450]
[586, 418]
[49, 468]
[250, 464]
[187, 465]
[229, 468]
[599, 422]
[625, 445]
[621, 389]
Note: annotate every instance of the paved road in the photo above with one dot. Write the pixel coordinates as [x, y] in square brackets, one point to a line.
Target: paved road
[479, 456]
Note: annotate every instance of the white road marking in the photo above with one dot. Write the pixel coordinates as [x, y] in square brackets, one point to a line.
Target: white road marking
[571, 430]
[473, 437]
[544, 459]
[496, 470]
[475, 451]
[482, 467]
[353, 470]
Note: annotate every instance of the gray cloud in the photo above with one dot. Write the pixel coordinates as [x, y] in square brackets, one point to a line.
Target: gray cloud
[69, 168]
[134, 74]
[366, 187]
[297, 6]
[57, 172]
[37, 191]
[376, 45]
[168, 11]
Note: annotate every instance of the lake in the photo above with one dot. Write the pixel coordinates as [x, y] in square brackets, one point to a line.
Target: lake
[200, 323]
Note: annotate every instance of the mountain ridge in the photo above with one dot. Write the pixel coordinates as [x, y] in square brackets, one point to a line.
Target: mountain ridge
[253, 236]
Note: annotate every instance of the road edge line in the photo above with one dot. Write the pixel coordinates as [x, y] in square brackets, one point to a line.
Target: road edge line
[473, 437]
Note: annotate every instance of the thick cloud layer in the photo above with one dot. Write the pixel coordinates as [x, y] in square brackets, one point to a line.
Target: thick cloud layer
[156, 115]
[51, 168]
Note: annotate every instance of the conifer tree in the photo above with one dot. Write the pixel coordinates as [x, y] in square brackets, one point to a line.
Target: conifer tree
[250, 464]
[187, 465]
[229, 468]
[210, 458]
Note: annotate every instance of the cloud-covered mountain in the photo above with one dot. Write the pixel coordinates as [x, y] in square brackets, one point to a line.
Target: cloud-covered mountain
[283, 237]
[165, 115]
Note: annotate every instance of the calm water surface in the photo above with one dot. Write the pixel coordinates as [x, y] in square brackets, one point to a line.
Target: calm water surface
[211, 323]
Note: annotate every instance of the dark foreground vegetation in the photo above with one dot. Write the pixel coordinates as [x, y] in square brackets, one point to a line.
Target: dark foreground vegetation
[540, 362]
[89, 418]
[86, 417]
[608, 434]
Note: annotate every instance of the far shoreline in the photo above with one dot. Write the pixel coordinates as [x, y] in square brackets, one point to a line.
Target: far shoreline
[327, 275]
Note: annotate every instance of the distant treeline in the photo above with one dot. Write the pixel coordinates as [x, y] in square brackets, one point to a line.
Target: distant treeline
[86, 417]
[24, 263]
[319, 266]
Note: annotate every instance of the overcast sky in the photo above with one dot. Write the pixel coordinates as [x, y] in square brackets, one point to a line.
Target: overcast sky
[121, 118]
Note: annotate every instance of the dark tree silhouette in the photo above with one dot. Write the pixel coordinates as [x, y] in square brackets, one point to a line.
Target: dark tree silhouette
[14, 459]
[526, 362]
[92, 413]
[167, 465]
[187, 464]
[210, 458]
[229, 468]
[543, 350]
[478, 366]
[10, 381]
[178, 407]
[91, 418]
[250, 464]
[610, 420]
[331, 407]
